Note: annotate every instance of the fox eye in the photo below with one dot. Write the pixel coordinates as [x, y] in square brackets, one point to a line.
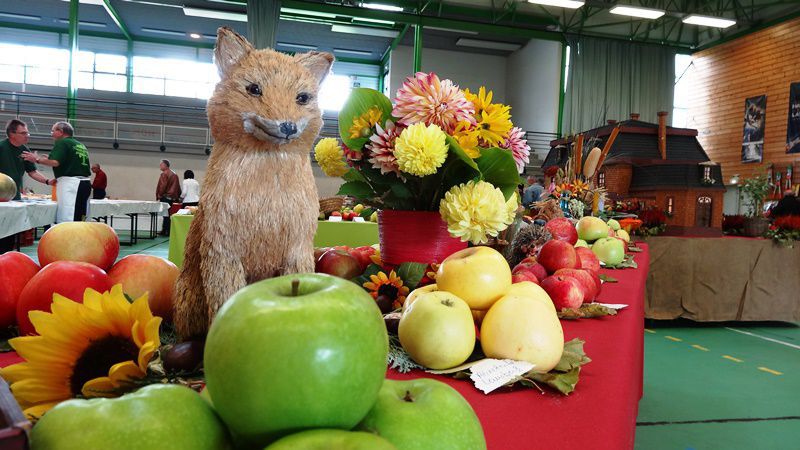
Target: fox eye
[254, 89]
[303, 98]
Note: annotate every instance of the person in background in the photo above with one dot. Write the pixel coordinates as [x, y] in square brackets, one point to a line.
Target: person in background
[168, 191]
[70, 162]
[190, 189]
[12, 164]
[533, 192]
[99, 183]
[789, 205]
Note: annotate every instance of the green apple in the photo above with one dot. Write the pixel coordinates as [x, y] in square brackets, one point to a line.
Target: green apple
[437, 330]
[609, 250]
[622, 234]
[374, 217]
[591, 228]
[327, 439]
[295, 352]
[424, 414]
[581, 243]
[613, 224]
[156, 416]
[478, 275]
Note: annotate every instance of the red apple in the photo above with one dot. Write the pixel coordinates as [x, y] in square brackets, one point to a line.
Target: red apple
[338, 263]
[556, 255]
[587, 280]
[566, 292]
[140, 274]
[16, 269]
[318, 251]
[535, 270]
[92, 242]
[336, 213]
[524, 275]
[362, 254]
[562, 230]
[67, 278]
[589, 260]
[528, 260]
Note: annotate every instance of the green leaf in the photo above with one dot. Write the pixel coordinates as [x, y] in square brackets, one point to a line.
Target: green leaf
[400, 190]
[359, 102]
[497, 167]
[371, 269]
[411, 273]
[560, 381]
[455, 149]
[607, 278]
[587, 311]
[353, 175]
[357, 189]
[573, 356]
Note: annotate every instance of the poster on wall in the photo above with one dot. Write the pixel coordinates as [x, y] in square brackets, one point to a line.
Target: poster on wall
[755, 112]
[793, 128]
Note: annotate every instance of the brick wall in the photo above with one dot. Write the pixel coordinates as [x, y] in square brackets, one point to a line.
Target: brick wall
[765, 62]
[618, 178]
[685, 205]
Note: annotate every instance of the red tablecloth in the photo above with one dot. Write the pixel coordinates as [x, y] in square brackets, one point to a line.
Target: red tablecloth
[601, 412]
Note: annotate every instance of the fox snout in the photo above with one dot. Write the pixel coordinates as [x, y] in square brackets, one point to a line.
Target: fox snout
[270, 130]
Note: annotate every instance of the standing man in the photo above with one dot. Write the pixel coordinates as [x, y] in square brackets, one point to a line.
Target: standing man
[100, 182]
[167, 191]
[533, 192]
[70, 162]
[12, 164]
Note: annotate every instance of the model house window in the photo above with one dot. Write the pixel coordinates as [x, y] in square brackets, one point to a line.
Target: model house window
[706, 172]
[601, 179]
[704, 200]
[670, 205]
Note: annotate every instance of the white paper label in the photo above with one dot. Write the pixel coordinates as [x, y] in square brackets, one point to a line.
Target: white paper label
[490, 374]
[358, 219]
[616, 306]
[335, 219]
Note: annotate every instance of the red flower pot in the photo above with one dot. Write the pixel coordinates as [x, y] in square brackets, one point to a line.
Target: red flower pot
[415, 236]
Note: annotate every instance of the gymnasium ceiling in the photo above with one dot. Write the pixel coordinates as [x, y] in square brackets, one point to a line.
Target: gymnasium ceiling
[308, 22]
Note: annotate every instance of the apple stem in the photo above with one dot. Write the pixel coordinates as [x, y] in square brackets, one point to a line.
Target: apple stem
[295, 287]
[408, 397]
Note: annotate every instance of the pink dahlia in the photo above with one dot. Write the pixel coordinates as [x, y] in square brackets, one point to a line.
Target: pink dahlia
[351, 156]
[381, 147]
[425, 98]
[519, 147]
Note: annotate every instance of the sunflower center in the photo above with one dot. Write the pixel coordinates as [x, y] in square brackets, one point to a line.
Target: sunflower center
[388, 290]
[99, 357]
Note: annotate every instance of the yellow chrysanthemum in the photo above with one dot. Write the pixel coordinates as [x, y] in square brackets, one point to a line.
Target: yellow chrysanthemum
[330, 157]
[420, 149]
[482, 101]
[363, 124]
[494, 126]
[476, 210]
[92, 349]
[390, 286]
[467, 137]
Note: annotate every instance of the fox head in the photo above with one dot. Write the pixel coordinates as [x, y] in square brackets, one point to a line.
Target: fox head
[265, 99]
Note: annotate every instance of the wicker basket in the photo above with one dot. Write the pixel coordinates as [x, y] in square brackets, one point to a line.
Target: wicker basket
[330, 204]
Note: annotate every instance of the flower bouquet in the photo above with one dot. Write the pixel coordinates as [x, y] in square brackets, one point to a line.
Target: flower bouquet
[441, 163]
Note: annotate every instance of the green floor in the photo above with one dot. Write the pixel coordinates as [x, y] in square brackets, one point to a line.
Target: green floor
[706, 386]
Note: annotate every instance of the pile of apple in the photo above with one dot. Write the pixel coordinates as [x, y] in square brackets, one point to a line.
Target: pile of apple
[343, 261]
[347, 213]
[474, 288]
[75, 256]
[606, 239]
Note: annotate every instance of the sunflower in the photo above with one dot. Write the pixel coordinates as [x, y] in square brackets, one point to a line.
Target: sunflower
[390, 286]
[474, 211]
[482, 101]
[420, 150]
[494, 126]
[362, 125]
[466, 135]
[92, 349]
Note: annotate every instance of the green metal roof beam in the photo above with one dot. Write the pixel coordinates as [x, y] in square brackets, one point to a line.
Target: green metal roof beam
[117, 19]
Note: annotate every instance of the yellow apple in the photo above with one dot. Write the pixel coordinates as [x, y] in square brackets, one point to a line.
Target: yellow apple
[479, 275]
[622, 234]
[523, 328]
[437, 330]
[532, 290]
[414, 295]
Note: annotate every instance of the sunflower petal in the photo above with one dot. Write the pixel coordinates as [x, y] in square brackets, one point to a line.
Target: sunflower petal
[37, 411]
[99, 387]
[146, 354]
[32, 391]
[123, 372]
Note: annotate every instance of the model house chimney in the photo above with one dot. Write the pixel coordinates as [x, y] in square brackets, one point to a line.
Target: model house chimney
[611, 122]
[634, 116]
[662, 133]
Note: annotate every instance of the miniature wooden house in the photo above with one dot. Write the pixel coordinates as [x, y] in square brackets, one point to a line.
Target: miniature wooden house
[659, 166]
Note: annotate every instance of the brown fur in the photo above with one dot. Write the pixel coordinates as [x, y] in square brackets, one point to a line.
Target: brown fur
[258, 209]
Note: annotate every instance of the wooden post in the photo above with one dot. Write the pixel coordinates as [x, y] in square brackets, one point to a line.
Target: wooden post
[662, 134]
[578, 156]
[607, 147]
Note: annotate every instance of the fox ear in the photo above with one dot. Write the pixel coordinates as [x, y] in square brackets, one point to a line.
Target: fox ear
[231, 47]
[318, 63]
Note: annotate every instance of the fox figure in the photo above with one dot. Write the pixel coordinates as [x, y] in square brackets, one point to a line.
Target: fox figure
[259, 205]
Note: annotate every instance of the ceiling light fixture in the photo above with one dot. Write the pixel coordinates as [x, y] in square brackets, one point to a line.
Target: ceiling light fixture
[352, 52]
[708, 21]
[635, 11]
[364, 19]
[299, 46]
[477, 43]
[85, 23]
[89, 2]
[19, 16]
[308, 13]
[194, 35]
[382, 7]
[451, 30]
[213, 37]
[164, 32]
[572, 4]
[364, 31]
[214, 14]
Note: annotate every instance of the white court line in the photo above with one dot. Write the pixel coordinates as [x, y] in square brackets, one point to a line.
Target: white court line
[764, 338]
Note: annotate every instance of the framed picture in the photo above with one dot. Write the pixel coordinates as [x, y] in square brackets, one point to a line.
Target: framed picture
[793, 127]
[755, 114]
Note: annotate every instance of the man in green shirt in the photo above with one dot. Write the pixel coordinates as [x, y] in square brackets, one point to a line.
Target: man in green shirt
[12, 164]
[70, 162]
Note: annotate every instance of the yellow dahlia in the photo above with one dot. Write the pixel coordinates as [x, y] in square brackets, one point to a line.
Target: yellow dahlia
[420, 149]
[93, 349]
[476, 210]
[424, 98]
[390, 286]
[494, 126]
[467, 137]
[330, 157]
[362, 125]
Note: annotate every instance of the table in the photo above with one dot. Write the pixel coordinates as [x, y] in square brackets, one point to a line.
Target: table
[601, 412]
[722, 279]
[329, 234]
